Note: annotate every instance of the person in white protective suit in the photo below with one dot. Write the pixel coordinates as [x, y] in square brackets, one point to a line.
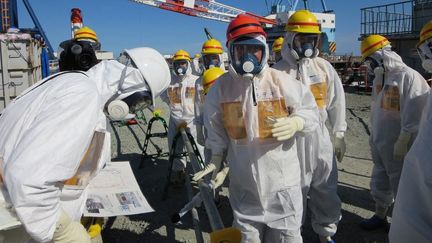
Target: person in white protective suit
[206, 81]
[319, 170]
[252, 114]
[211, 55]
[399, 96]
[180, 96]
[54, 139]
[196, 65]
[412, 213]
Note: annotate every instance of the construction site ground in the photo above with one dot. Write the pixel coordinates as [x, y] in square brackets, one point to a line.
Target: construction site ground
[354, 191]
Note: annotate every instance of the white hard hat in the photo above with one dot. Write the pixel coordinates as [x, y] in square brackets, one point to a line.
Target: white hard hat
[153, 67]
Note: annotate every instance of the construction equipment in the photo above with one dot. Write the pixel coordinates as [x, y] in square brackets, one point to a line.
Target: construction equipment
[208, 34]
[20, 65]
[208, 9]
[9, 18]
[281, 11]
[274, 23]
[24, 58]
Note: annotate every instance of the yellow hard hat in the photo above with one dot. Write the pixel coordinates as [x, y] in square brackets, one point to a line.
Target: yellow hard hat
[211, 46]
[85, 33]
[210, 76]
[277, 44]
[197, 55]
[181, 55]
[425, 33]
[372, 44]
[303, 21]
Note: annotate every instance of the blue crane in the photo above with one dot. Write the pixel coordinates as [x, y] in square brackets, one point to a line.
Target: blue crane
[9, 18]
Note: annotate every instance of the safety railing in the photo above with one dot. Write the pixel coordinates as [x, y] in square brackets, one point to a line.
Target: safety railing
[401, 18]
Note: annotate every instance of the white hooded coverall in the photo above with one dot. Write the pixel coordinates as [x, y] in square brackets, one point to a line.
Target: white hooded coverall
[45, 134]
[199, 113]
[196, 66]
[264, 188]
[180, 97]
[319, 169]
[412, 213]
[397, 105]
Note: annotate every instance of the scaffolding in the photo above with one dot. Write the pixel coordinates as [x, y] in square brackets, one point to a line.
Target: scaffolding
[396, 19]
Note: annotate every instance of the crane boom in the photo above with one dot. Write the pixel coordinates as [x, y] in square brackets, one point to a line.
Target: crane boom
[208, 9]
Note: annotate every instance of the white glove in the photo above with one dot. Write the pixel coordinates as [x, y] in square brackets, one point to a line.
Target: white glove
[400, 148]
[200, 135]
[339, 146]
[284, 128]
[220, 177]
[69, 231]
[214, 165]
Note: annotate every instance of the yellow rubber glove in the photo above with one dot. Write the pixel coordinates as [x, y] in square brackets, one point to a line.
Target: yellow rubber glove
[400, 148]
[215, 164]
[284, 128]
[94, 230]
[339, 146]
[69, 231]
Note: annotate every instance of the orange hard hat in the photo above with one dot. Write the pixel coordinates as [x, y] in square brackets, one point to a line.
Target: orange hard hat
[243, 25]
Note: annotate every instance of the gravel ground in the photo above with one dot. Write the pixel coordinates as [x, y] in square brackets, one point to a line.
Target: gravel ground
[354, 178]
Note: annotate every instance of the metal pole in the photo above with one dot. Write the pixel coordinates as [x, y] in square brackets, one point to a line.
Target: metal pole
[324, 6]
[39, 27]
[305, 4]
[195, 217]
[211, 209]
[196, 165]
[294, 6]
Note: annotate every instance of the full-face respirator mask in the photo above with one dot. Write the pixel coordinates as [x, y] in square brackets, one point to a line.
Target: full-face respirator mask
[247, 56]
[211, 61]
[180, 67]
[76, 55]
[127, 108]
[375, 65]
[304, 45]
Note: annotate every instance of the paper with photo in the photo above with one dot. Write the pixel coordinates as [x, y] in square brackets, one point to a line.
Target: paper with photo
[115, 191]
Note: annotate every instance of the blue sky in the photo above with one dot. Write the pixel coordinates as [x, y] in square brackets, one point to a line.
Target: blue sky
[123, 24]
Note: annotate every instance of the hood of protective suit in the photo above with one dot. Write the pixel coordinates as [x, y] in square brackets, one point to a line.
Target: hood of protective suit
[391, 60]
[188, 71]
[222, 65]
[286, 51]
[115, 79]
[265, 58]
[305, 67]
[196, 67]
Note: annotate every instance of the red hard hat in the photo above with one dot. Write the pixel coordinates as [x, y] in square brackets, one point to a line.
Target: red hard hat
[243, 25]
